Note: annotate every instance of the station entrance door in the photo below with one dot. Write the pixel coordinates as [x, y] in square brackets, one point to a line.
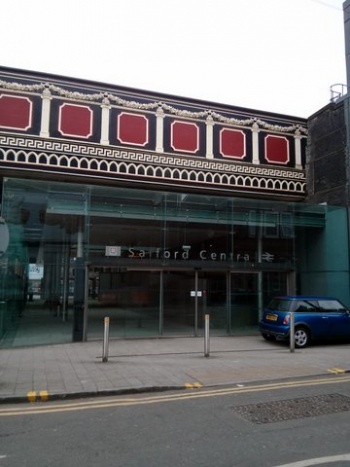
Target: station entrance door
[157, 302]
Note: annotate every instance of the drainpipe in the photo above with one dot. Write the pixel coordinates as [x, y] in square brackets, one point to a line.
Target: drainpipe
[79, 289]
[161, 303]
[260, 274]
[347, 159]
[196, 303]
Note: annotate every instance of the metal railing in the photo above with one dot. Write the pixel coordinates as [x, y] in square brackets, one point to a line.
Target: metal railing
[338, 91]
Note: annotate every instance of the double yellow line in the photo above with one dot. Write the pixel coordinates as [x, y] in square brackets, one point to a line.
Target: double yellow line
[121, 401]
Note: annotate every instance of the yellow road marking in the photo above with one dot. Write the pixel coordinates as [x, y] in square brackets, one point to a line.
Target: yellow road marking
[193, 385]
[120, 401]
[31, 396]
[44, 396]
[337, 371]
[198, 385]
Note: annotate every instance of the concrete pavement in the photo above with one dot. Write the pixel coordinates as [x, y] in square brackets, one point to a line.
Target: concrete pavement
[77, 370]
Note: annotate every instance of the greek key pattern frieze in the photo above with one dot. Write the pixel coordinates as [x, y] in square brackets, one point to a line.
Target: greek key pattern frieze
[259, 180]
[59, 148]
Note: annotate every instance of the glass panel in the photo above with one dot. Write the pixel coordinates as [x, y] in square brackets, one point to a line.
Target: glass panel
[274, 284]
[38, 269]
[129, 298]
[213, 301]
[179, 302]
[244, 302]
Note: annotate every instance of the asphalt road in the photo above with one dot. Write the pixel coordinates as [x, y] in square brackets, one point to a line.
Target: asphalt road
[266, 425]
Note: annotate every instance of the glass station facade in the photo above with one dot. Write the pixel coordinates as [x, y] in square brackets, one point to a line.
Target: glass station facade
[156, 262]
[155, 210]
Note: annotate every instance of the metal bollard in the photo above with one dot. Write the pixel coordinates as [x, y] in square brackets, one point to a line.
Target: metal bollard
[206, 335]
[292, 332]
[105, 340]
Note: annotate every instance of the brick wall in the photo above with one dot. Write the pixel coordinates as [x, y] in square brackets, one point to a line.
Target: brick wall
[327, 170]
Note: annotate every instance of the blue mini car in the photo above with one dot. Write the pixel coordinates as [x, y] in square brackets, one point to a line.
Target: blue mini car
[314, 318]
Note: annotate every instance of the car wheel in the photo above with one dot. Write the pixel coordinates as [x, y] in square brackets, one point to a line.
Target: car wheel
[268, 337]
[301, 338]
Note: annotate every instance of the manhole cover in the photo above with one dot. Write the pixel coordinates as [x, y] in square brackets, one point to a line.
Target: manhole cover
[277, 411]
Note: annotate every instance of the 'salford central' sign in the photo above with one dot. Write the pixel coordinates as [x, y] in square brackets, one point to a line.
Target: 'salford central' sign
[185, 254]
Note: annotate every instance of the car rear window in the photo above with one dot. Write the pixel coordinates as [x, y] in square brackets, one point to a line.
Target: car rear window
[278, 304]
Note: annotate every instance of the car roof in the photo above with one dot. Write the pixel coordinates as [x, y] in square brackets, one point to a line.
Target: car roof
[303, 297]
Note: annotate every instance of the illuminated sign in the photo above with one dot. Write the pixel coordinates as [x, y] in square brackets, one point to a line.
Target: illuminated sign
[35, 271]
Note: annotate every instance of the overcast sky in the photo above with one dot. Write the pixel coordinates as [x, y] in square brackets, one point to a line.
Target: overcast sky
[274, 55]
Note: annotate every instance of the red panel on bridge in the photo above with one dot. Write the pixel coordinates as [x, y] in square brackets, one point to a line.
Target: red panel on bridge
[75, 120]
[132, 129]
[15, 112]
[232, 143]
[277, 149]
[184, 137]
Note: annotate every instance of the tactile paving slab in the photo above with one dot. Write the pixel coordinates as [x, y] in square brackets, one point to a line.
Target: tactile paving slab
[290, 409]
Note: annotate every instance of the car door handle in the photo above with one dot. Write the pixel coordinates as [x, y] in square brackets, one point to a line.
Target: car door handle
[324, 317]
